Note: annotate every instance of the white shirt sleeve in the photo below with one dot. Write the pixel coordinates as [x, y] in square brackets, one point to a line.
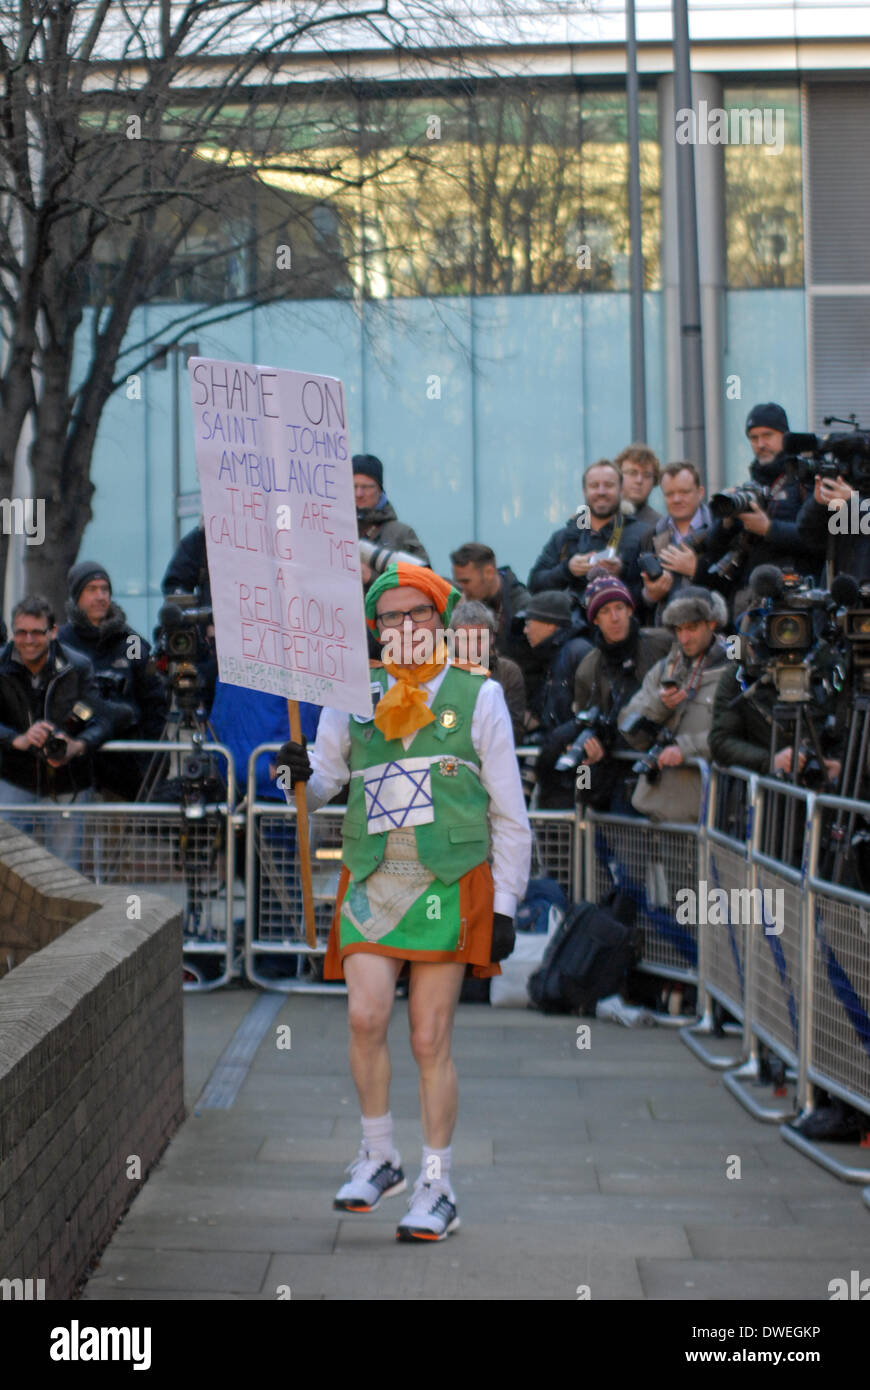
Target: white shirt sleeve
[493, 740]
[329, 757]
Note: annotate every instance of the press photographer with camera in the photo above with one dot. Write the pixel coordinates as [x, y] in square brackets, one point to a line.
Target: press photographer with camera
[599, 536]
[135, 696]
[51, 719]
[187, 576]
[670, 716]
[832, 521]
[669, 560]
[786, 687]
[756, 523]
[551, 632]
[623, 652]
[376, 517]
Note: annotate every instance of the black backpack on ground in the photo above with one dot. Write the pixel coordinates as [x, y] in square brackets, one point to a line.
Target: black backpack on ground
[588, 957]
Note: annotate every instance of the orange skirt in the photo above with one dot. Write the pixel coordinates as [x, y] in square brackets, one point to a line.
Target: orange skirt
[475, 939]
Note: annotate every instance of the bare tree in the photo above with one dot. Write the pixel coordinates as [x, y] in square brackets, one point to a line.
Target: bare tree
[133, 138]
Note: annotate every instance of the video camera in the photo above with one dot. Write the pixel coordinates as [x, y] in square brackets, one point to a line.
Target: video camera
[845, 455]
[181, 644]
[78, 718]
[795, 632]
[591, 723]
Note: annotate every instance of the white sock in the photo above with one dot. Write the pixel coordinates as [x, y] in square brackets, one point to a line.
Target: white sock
[436, 1166]
[378, 1134]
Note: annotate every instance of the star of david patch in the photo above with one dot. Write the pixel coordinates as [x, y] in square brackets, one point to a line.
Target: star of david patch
[398, 795]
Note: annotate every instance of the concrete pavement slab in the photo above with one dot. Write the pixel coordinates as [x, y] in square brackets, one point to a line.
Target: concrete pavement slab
[757, 1280]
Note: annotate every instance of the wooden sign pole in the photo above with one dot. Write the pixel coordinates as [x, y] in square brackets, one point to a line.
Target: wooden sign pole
[302, 842]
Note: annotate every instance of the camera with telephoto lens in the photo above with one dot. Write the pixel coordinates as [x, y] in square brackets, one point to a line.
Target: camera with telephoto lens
[855, 626]
[377, 557]
[591, 723]
[647, 764]
[54, 748]
[732, 501]
[845, 455]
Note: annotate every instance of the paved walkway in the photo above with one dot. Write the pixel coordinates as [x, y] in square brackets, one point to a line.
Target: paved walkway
[604, 1167]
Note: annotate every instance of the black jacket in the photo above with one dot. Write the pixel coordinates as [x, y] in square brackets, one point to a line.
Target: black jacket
[850, 553]
[512, 599]
[135, 694]
[741, 728]
[565, 650]
[72, 680]
[187, 571]
[782, 546]
[550, 570]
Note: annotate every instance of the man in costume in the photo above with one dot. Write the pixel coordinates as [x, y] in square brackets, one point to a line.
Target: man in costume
[435, 793]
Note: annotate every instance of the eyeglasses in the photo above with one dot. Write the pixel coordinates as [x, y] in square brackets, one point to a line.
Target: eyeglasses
[29, 634]
[421, 614]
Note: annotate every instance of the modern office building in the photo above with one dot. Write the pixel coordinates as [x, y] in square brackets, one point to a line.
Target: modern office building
[468, 282]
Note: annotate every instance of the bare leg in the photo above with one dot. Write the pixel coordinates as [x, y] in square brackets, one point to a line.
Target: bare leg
[371, 989]
[432, 999]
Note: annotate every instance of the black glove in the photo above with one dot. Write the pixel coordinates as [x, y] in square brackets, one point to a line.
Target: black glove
[503, 937]
[293, 758]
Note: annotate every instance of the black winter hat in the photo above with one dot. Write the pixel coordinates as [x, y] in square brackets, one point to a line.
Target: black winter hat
[81, 574]
[371, 466]
[769, 416]
[550, 606]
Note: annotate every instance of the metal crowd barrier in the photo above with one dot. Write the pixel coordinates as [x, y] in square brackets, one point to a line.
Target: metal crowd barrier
[835, 997]
[650, 861]
[275, 943]
[154, 847]
[722, 956]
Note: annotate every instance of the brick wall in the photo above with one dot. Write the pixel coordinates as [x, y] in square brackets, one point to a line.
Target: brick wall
[90, 1059]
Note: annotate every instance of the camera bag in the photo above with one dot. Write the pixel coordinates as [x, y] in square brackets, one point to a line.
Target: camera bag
[589, 956]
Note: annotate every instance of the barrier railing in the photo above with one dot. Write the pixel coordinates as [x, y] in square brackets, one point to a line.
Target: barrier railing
[724, 964]
[650, 861]
[834, 1052]
[185, 853]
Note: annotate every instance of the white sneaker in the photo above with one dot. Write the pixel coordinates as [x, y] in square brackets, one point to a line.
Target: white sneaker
[372, 1177]
[431, 1213]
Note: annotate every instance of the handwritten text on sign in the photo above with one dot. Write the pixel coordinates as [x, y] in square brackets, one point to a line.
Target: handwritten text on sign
[281, 534]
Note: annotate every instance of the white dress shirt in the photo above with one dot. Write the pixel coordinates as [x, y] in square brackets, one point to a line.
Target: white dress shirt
[493, 742]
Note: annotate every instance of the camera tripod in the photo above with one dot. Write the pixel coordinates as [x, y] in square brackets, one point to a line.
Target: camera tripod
[842, 836]
[783, 826]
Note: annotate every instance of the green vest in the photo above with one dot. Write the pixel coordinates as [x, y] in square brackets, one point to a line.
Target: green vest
[458, 837]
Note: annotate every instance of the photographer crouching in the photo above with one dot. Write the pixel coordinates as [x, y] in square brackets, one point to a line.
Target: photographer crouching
[51, 717]
[671, 714]
[607, 677]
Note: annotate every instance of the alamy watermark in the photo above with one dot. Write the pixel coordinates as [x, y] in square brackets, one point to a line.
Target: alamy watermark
[742, 125]
[716, 907]
[23, 516]
[469, 646]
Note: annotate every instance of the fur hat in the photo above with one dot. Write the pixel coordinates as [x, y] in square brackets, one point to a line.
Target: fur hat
[693, 605]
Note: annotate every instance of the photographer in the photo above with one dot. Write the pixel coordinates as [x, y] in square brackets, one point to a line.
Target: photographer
[669, 560]
[135, 696]
[822, 527]
[375, 515]
[756, 524]
[51, 720]
[551, 633]
[606, 679]
[598, 536]
[674, 707]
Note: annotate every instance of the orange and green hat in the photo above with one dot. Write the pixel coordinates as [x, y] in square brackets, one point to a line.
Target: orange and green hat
[401, 575]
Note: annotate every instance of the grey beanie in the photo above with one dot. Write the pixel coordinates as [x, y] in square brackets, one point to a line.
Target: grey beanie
[693, 605]
[82, 574]
[550, 606]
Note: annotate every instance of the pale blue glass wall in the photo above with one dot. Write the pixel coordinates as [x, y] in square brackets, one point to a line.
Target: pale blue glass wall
[532, 388]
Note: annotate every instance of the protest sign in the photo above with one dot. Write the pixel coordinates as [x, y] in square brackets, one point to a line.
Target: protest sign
[281, 533]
